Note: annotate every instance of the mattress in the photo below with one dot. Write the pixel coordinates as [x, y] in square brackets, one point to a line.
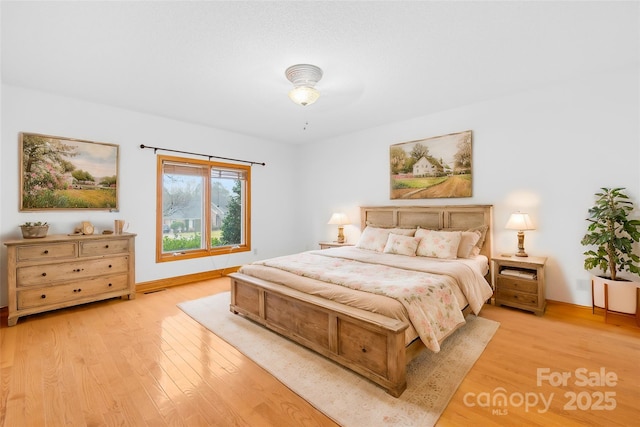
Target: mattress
[374, 302]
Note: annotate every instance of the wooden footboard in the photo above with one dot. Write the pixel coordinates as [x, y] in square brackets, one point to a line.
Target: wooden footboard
[367, 343]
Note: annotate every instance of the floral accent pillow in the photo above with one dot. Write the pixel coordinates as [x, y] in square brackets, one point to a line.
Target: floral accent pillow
[438, 244]
[375, 238]
[468, 240]
[401, 245]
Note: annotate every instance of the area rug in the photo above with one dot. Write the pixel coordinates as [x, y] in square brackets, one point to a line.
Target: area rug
[344, 396]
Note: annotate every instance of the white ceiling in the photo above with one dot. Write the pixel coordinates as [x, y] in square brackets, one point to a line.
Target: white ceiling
[222, 64]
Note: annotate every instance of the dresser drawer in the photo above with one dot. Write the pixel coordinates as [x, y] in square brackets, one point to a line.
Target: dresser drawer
[515, 284]
[46, 251]
[49, 295]
[507, 296]
[104, 247]
[38, 275]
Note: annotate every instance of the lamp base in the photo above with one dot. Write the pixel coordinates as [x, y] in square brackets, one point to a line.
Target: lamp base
[340, 234]
[521, 251]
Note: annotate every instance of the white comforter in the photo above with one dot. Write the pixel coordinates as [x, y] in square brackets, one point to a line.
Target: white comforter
[423, 285]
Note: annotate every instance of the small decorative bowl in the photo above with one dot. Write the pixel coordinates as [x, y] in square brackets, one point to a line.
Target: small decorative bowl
[34, 231]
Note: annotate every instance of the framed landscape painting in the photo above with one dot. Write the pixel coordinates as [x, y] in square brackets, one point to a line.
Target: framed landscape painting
[65, 173]
[438, 167]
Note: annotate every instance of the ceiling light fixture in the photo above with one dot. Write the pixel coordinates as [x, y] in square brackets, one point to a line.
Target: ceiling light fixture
[304, 77]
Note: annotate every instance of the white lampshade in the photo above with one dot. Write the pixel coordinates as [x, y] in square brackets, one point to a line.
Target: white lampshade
[519, 221]
[339, 219]
[304, 95]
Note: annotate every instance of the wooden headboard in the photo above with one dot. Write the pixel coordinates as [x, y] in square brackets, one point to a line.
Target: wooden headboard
[450, 217]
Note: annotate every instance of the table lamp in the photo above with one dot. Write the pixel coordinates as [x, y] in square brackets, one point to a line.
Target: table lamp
[520, 221]
[340, 220]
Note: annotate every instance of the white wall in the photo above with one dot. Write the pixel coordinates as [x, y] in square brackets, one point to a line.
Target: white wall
[273, 209]
[546, 151]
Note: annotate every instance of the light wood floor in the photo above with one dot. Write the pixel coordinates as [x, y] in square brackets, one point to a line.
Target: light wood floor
[145, 363]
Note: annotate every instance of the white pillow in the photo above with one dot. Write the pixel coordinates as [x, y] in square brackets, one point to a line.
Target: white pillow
[375, 238]
[401, 245]
[438, 244]
[468, 241]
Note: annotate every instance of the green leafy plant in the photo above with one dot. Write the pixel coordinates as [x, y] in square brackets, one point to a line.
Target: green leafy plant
[613, 233]
[34, 224]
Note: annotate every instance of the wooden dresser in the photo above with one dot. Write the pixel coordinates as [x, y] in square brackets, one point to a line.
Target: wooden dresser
[61, 271]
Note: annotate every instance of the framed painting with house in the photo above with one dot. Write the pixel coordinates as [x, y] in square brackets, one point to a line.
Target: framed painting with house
[437, 167]
[66, 173]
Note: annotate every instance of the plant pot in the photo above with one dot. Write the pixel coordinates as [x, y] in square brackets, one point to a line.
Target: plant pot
[615, 295]
[34, 231]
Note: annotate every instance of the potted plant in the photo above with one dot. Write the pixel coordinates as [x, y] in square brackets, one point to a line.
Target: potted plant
[613, 234]
[34, 230]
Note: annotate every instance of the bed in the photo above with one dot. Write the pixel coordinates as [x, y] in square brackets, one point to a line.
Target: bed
[374, 306]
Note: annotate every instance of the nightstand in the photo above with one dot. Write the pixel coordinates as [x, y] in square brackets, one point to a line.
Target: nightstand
[327, 245]
[519, 282]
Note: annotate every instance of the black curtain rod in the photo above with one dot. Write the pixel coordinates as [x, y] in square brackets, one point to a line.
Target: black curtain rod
[155, 149]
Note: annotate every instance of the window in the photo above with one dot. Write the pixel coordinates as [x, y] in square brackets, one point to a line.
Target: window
[203, 208]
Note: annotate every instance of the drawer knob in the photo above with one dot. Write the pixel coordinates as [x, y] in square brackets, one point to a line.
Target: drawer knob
[364, 350]
[110, 285]
[46, 251]
[44, 274]
[77, 290]
[109, 265]
[106, 246]
[43, 296]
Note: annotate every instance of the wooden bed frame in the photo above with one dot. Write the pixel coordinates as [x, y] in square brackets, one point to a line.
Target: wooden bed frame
[367, 343]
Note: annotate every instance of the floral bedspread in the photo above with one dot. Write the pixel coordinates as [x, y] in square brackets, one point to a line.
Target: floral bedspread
[431, 305]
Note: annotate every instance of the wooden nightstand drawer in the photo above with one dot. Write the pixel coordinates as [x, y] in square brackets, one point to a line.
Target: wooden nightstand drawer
[514, 284]
[507, 296]
[327, 245]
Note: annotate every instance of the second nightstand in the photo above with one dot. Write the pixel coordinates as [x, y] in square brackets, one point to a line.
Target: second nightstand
[327, 245]
[519, 282]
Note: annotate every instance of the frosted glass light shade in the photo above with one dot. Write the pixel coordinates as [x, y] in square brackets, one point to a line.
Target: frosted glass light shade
[304, 95]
